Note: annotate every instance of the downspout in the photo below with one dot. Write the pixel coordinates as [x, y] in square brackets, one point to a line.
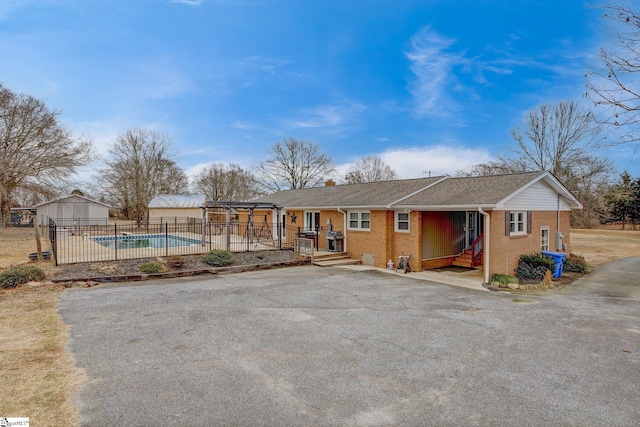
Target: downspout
[344, 227]
[487, 230]
[558, 213]
[559, 236]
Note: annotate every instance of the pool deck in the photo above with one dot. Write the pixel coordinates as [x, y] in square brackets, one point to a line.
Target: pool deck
[75, 249]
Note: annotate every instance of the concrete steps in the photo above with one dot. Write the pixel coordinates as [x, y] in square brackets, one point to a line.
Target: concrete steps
[334, 259]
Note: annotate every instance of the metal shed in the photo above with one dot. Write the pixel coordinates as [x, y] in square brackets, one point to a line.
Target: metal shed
[176, 206]
[73, 210]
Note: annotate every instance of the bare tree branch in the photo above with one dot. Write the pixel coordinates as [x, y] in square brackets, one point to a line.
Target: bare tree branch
[293, 164]
[220, 182]
[614, 87]
[369, 169]
[37, 153]
[138, 169]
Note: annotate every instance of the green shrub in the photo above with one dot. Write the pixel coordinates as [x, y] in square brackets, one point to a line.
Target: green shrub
[533, 266]
[15, 276]
[503, 279]
[218, 258]
[152, 267]
[576, 264]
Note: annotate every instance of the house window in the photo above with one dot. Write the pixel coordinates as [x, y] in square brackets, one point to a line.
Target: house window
[311, 220]
[359, 220]
[402, 222]
[518, 222]
[544, 238]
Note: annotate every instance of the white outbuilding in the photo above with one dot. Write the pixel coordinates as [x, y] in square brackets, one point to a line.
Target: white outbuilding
[73, 210]
[176, 207]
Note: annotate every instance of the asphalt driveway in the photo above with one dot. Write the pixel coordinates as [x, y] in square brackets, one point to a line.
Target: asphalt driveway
[323, 346]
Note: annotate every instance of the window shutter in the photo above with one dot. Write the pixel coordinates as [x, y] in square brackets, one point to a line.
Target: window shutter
[529, 222]
[507, 223]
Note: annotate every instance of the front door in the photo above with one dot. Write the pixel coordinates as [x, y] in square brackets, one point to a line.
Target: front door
[472, 228]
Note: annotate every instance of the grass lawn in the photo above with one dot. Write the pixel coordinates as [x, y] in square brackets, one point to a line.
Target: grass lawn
[37, 374]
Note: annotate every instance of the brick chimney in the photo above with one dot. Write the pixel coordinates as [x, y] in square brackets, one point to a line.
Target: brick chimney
[329, 183]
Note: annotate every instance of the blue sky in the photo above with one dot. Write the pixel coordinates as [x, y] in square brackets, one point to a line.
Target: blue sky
[427, 85]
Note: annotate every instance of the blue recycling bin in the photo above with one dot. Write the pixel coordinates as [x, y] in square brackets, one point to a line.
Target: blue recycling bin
[558, 262]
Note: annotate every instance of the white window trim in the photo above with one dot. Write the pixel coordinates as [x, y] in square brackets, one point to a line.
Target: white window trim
[397, 221]
[360, 220]
[306, 224]
[548, 230]
[516, 232]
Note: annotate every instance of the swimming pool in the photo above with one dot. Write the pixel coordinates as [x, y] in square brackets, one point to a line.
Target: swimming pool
[154, 241]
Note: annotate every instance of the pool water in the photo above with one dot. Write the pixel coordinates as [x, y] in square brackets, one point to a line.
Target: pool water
[154, 241]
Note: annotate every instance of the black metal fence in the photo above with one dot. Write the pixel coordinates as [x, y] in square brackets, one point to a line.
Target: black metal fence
[112, 242]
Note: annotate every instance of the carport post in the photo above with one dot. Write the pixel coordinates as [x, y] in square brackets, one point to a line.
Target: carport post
[279, 231]
[204, 224]
[166, 239]
[228, 227]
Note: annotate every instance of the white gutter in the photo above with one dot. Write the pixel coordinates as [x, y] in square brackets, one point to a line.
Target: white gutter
[487, 230]
[344, 219]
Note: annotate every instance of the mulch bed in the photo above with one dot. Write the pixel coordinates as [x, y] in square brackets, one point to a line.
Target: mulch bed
[129, 269]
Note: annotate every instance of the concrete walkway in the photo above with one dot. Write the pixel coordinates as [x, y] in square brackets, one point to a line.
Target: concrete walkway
[470, 279]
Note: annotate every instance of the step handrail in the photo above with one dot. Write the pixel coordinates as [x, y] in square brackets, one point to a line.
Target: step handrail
[477, 248]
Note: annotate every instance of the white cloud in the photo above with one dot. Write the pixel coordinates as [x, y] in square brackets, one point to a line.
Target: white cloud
[243, 125]
[7, 6]
[255, 68]
[416, 162]
[433, 65]
[188, 2]
[326, 116]
[194, 170]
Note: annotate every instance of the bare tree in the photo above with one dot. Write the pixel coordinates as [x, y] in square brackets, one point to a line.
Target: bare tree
[369, 169]
[615, 86]
[220, 182]
[588, 178]
[37, 154]
[559, 138]
[293, 164]
[554, 135]
[488, 169]
[138, 169]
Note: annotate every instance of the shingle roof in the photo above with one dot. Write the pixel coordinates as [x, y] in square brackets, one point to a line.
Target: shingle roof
[379, 193]
[434, 191]
[483, 190]
[177, 201]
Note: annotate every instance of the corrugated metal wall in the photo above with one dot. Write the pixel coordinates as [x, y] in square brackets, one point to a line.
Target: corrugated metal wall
[442, 234]
[66, 211]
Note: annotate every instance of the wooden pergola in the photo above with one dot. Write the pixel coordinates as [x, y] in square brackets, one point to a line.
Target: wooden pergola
[250, 207]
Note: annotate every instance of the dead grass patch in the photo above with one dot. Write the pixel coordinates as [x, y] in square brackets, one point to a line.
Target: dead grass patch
[599, 246]
[17, 243]
[37, 374]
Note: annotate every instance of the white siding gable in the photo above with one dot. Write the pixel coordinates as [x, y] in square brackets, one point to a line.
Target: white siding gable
[537, 197]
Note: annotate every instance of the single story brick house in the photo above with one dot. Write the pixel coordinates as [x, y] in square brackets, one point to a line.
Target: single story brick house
[485, 222]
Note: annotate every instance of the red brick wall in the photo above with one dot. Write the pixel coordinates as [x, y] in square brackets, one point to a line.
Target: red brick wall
[506, 250]
[384, 242]
[373, 241]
